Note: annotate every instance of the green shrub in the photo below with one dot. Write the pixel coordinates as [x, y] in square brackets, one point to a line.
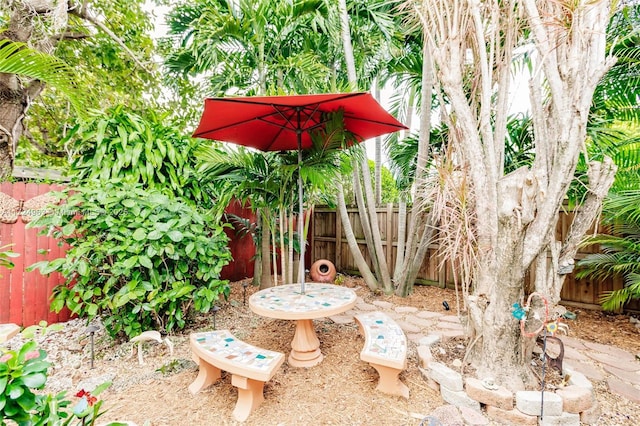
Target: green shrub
[127, 146]
[140, 258]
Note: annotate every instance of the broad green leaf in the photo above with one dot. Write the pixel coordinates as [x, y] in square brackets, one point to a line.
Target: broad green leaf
[176, 236]
[83, 268]
[154, 235]
[128, 203]
[145, 261]
[35, 380]
[15, 390]
[68, 228]
[139, 234]
[131, 262]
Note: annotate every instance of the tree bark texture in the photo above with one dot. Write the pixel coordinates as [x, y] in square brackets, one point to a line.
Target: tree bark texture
[14, 95]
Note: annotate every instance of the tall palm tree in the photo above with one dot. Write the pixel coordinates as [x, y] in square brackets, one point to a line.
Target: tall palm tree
[249, 46]
[251, 178]
[268, 180]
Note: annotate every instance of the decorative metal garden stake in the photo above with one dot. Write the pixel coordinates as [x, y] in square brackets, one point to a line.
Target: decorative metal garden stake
[245, 284]
[215, 308]
[544, 364]
[92, 330]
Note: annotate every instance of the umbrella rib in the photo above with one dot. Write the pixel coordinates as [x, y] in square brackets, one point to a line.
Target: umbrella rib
[367, 120]
[299, 128]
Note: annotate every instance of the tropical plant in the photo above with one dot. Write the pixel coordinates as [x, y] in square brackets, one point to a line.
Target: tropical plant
[21, 372]
[18, 58]
[251, 46]
[613, 127]
[124, 145]
[620, 250]
[140, 258]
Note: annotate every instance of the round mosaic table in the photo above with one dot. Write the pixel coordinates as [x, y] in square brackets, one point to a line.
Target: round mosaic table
[288, 302]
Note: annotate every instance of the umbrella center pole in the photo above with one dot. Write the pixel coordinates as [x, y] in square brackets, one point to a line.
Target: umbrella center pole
[300, 215]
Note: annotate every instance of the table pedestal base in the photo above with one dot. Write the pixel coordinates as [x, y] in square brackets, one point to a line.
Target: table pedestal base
[305, 347]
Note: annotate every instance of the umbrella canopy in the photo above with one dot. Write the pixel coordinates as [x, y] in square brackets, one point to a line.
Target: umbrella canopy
[279, 123]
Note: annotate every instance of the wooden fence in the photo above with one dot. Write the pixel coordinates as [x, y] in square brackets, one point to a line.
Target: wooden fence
[327, 241]
[24, 296]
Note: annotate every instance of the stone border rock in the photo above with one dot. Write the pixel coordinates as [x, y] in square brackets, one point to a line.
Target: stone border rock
[572, 405]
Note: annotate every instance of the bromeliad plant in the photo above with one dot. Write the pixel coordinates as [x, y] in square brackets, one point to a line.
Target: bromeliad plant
[143, 259]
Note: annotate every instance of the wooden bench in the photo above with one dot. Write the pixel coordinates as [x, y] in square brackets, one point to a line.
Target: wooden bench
[249, 366]
[385, 348]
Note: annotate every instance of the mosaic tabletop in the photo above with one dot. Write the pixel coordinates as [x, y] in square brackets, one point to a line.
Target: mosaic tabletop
[288, 301]
[222, 344]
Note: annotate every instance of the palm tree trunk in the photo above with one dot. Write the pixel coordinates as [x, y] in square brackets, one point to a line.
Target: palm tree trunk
[378, 154]
[361, 263]
[290, 226]
[387, 285]
[402, 232]
[363, 214]
[347, 45]
[283, 247]
[265, 248]
[417, 249]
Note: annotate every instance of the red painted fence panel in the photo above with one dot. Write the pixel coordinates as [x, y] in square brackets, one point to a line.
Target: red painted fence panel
[242, 248]
[24, 296]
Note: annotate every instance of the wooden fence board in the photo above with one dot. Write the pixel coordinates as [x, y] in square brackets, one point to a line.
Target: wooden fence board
[5, 239]
[30, 250]
[25, 295]
[16, 282]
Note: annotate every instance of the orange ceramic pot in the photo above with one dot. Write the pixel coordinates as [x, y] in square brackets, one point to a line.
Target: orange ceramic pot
[322, 271]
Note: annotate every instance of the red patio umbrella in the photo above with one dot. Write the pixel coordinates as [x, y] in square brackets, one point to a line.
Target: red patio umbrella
[278, 123]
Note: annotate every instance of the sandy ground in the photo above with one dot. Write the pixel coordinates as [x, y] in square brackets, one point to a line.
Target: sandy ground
[339, 391]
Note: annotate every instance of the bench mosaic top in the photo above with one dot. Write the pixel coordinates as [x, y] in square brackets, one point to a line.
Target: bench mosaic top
[288, 302]
[223, 346]
[384, 338]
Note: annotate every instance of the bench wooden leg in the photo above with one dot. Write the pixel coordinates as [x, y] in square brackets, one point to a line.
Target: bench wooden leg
[250, 396]
[207, 375]
[390, 382]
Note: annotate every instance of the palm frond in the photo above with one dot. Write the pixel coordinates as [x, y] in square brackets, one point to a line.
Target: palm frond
[614, 300]
[17, 58]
